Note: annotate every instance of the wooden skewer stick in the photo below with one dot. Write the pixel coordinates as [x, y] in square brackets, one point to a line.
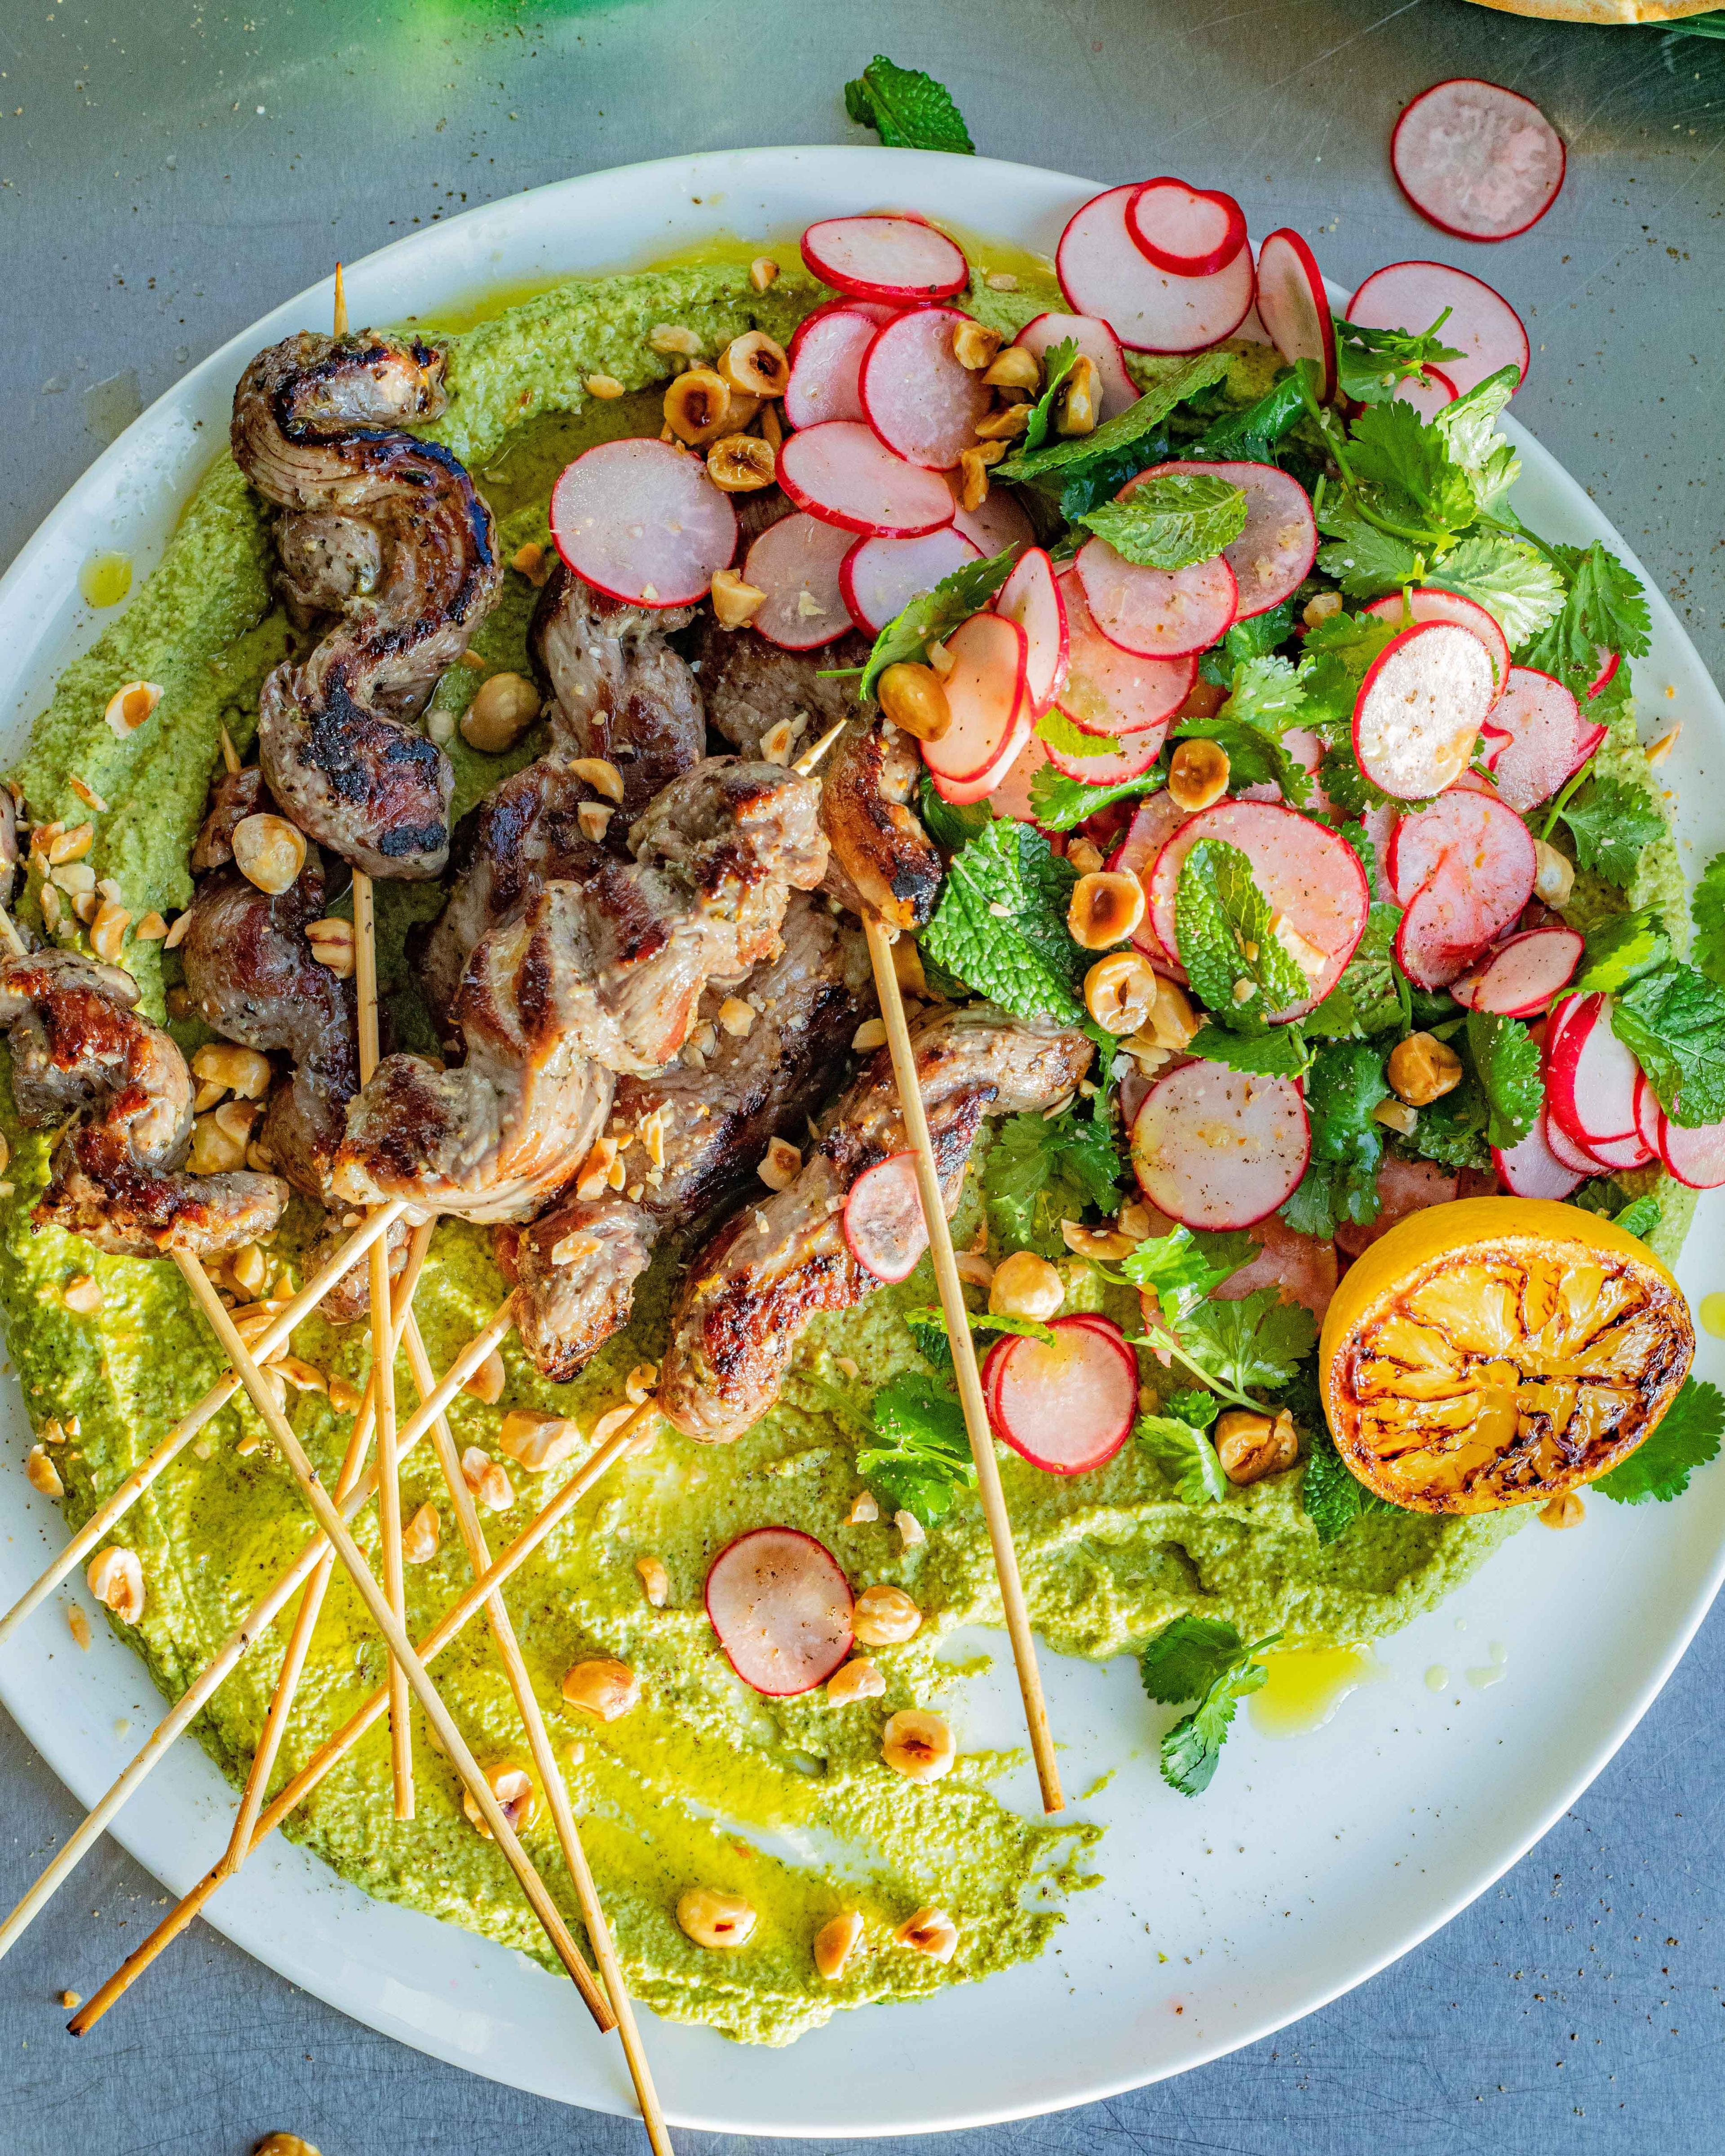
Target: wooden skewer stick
[336, 1748]
[340, 306]
[970, 1383]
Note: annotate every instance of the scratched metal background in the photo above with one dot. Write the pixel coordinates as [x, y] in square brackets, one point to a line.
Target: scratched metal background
[168, 170]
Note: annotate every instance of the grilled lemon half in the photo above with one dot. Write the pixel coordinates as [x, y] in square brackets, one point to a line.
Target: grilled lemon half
[1497, 1351]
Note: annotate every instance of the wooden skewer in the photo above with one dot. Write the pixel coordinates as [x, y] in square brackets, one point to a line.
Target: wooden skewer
[340, 306]
[970, 1383]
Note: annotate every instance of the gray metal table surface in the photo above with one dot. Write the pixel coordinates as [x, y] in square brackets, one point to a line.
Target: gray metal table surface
[169, 171]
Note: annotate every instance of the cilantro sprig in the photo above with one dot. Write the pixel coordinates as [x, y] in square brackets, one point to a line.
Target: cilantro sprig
[1258, 1340]
[1370, 364]
[1687, 1437]
[1176, 1437]
[1040, 1170]
[1202, 1659]
[921, 1457]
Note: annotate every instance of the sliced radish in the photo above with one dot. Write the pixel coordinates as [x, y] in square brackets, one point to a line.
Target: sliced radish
[993, 775]
[1313, 880]
[1419, 710]
[1481, 325]
[1154, 823]
[1272, 555]
[1031, 596]
[781, 1606]
[1535, 738]
[999, 523]
[1096, 342]
[1478, 160]
[1252, 331]
[641, 520]
[884, 1229]
[1102, 272]
[1192, 231]
[1695, 1156]
[798, 562]
[1572, 1155]
[1532, 1169]
[1129, 756]
[1215, 1149]
[1616, 1154]
[880, 577]
[1428, 604]
[1107, 691]
[1377, 828]
[843, 473]
[916, 395]
[826, 367]
[1296, 308]
[1562, 1011]
[1473, 838]
[983, 693]
[1012, 796]
[1590, 1078]
[880, 313]
[1522, 975]
[1609, 661]
[885, 258]
[1428, 392]
[1066, 1404]
[1157, 614]
[1308, 750]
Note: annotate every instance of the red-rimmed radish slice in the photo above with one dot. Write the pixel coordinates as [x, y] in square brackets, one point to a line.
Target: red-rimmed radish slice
[1438, 937]
[1590, 1078]
[1192, 231]
[1107, 691]
[1428, 604]
[1252, 331]
[1313, 880]
[1572, 1155]
[780, 1604]
[1478, 160]
[1616, 1154]
[641, 520]
[1031, 596]
[880, 313]
[1096, 342]
[1648, 1112]
[1695, 1156]
[1427, 393]
[1308, 750]
[1272, 557]
[797, 562]
[1522, 975]
[885, 258]
[1128, 755]
[1214, 1147]
[1012, 796]
[1294, 307]
[1562, 1011]
[1419, 708]
[843, 473]
[917, 397]
[1154, 823]
[1103, 273]
[1377, 828]
[826, 367]
[885, 1230]
[993, 775]
[880, 577]
[1532, 1169]
[1483, 326]
[1471, 838]
[1535, 738]
[1066, 1404]
[1157, 614]
[1609, 661]
[999, 523]
[984, 691]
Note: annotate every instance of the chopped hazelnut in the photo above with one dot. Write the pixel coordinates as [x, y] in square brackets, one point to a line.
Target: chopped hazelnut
[603, 1689]
[884, 1616]
[1251, 1446]
[735, 603]
[913, 698]
[857, 1679]
[505, 707]
[116, 1577]
[834, 1943]
[714, 1919]
[1422, 1069]
[782, 1165]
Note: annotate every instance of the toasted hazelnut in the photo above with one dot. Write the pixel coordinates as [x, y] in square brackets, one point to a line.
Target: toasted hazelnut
[82, 1294]
[1105, 907]
[930, 1931]
[1553, 874]
[1422, 1070]
[1320, 606]
[242, 1070]
[913, 698]
[65, 845]
[1016, 367]
[419, 1537]
[974, 479]
[116, 1577]
[737, 1017]
[1251, 1446]
[178, 930]
[517, 1798]
[269, 852]
[107, 931]
[1081, 399]
[835, 1942]
[869, 1036]
[715, 1919]
[1173, 1021]
[672, 338]
[77, 879]
[487, 1478]
[332, 945]
[697, 406]
[505, 706]
[605, 386]
[537, 1442]
[655, 1580]
[344, 1396]
[781, 1166]
[1026, 1285]
[533, 562]
[763, 271]
[594, 1177]
[1106, 1244]
[974, 1269]
[974, 346]
[1120, 991]
[79, 1625]
[740, 463]
[1005, 425]
[41, 1473]
[284, 2145]
[857, 1679]
[151, 929]
[639, 1385]
[129, 707]
[735, 603]
[251, 1268]
[486, 1382]
[1566, 1510]
[603, 1689]
[1197, 775]
[884, 1616]
[755, 365]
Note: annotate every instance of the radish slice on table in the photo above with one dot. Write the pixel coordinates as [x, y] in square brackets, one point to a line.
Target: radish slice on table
[781, 1606]
[1066, 1404]
[641, 520]
[1128, 755]
[843, 473]
[1478, 160]
[984, 692]
[999, 524]
[1157, 614]
[1107, 691]
[1590, 1078]
[880, 577]
[1294, 307]
[1313, 880]
[1483, 326]
[1192, 231]
[916, 395]
[993, 775]
[1420, 709]
[1096, 342]
[1031, 596]
[1535, 738]
[1521, 976]
[1473, 838]
[1428, 392]
[1428, 604]
[1532, 1169]
[798, 562]
[1695, 1156]
[1215, 1149]
[1572, 1155]
[1102, 272]
[826, 367]
[1012, 796]
[885, 258]
[1272, 557]
[885, 1230]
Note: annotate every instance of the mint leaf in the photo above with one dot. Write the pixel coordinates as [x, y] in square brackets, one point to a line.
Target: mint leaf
[1171, 1666]
[907, 109]
[1623, 948]
[1706, 907]
[1021, 956]
[1341, 1179]
[1514, 583]
[1507, 1063]
[1281, 1053]
[1040, 1173]
[1257, 1342]
[1250, 436]
[949, 825]
[1640, 1217]
[932, 1344]
[1673, 1024]
[1606, 609]
[921, 1455]
[1612, 825]
[1181, 1268]
[1184, 1453]
[1332, 1496]
[1057, 363]
[1686, 1437]
[931, 615]
[1125, 429]
[1370, 364]
[1222, 925]
[1172, 521]
[1060, 803]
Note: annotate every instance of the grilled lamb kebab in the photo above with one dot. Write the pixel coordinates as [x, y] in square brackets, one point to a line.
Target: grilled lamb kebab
[749, 1294]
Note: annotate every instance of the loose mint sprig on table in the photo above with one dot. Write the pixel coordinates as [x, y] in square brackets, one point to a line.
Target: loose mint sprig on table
[907, 109]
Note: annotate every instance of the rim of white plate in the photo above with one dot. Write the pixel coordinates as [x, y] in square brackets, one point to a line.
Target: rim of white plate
[1038, 2038]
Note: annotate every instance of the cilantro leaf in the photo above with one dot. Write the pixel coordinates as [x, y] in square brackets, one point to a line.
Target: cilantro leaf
[1266, 694]
[1334, 663]
[1673, 1024]
[907, 109]
[1259, 1341]
[1250, 435]
[1181, 1268]
[949, 825]
[1057, 363]
[1332, 1497]
[1183, 1451]
[1365, 562]
[1279, 1052]
[1513, 582]
[1451, 1132]
[1021, 956]
[1686, 1437]
[1415, 482]
[1612, 825]
[923, 1317]
[1222, 925]
[1623, 948]
[931, 615]
[1189, 1653]
[1507, 1063]
[1184, 1659]
[1040, 1173]
[1172, 521]
[1706, 907]
[1370, 362]
[1469, 428]
[1125, 429]
[920, 1456]
[1606, 609]
[1341, 1179]
[1254, 757]
[1060, 803]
